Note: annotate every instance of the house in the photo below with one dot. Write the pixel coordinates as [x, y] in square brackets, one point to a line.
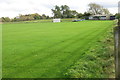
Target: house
[101, 17]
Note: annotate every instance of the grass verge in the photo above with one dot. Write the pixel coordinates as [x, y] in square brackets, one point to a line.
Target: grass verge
[97, 62]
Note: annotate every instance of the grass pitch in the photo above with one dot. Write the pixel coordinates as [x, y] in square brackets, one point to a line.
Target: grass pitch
[47, 50]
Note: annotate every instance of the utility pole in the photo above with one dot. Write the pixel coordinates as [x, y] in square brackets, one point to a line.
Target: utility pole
[117, 46]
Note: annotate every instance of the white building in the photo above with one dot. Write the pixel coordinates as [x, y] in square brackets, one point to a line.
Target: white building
[101, 17]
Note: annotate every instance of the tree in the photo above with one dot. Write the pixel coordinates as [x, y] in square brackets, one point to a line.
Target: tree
[97, 9]
[26, 17]
[43, 16]
[117, 15]
[105, 11]
[36, 16]
[79, 15]
[74, 13]
[56, 12]
[0, 20]
[47, 17]
[6, 19]
[86, 14]
[64, 12]
[15, 19]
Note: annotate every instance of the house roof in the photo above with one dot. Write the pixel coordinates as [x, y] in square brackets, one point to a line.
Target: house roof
[100, 15]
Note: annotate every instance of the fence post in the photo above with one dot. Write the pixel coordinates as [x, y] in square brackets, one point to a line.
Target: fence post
[117, 51]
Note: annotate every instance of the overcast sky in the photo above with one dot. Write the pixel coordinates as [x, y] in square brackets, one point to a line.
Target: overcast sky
[12, 8]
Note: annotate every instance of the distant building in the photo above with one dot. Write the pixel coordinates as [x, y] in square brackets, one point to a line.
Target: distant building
[101, 17]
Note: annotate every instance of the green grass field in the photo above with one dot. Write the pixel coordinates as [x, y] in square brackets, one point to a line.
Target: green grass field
[48, 50]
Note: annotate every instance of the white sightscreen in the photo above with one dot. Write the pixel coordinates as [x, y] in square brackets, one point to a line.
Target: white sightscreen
[56, 20]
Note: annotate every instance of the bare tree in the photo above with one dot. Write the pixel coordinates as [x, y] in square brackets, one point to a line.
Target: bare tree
[105, 11]
[97, 9]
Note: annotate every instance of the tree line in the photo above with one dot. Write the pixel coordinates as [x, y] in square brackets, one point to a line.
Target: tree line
[62, 11]
[26, 17]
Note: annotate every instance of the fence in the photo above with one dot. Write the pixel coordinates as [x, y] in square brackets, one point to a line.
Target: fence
[117, 50]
